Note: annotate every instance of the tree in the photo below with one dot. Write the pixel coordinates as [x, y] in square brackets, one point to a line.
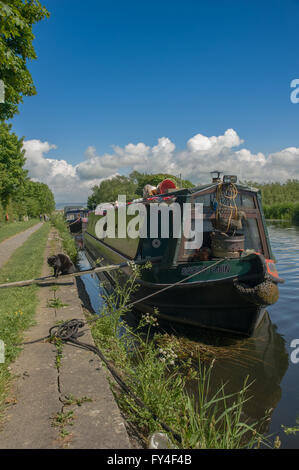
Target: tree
[132, 186]
[141, 179]
[109, 189]
[12, 160]
[16, 20]
[33, 199]
[38, 198]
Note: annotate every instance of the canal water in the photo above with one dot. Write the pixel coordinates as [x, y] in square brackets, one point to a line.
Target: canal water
[284, 316]
[266, 357]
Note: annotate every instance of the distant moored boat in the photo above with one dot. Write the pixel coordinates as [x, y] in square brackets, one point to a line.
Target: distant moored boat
[76, 218]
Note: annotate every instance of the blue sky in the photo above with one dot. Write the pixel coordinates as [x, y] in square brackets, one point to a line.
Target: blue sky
[117, 73]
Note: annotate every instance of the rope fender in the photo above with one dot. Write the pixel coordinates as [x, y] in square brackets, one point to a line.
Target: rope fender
[265, 293]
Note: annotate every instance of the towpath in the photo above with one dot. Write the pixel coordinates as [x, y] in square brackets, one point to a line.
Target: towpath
[7, 247]
[60, 397]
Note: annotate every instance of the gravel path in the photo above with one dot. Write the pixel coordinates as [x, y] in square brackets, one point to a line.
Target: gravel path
[7, 247]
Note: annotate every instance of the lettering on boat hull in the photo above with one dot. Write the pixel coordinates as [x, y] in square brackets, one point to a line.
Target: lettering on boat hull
[223, 269]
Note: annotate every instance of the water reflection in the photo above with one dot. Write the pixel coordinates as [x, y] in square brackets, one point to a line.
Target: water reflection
[264, 360]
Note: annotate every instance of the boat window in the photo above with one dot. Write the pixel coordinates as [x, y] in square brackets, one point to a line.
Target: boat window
[252, 235]
[247, 201]
[250, 230]
[205, 199]
[207, 229]
[243, 199]
[193, 254]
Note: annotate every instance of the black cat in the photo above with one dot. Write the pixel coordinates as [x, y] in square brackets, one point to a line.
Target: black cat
[61, 264]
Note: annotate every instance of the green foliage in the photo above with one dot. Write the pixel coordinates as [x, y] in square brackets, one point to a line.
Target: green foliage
[277, 193]
[132, 186]
[38, 198]
[12, 160]
[280, 201]
[61, 420]
[68, 241]
[108, 190]
[141, 179]
[72, 400]
[295, 214]
[33, 199]
[16, 47]
[56, 303]
[19, 196]
[291, 429]
[286, 210]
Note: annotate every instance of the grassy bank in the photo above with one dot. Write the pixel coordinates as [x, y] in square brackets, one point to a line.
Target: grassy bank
[68, 241]
[287, 211]
[17, 305]
[9, 229]
[280, 200]
[158, 376]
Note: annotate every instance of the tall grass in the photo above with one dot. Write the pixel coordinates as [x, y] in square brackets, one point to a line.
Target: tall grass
[157, 376]
[17, 305]
[278, 193]
[287, 211]
[280, 201]
[295, 214]
[68, 241]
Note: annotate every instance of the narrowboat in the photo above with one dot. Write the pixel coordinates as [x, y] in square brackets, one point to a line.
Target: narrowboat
[225, 284]
[76, 219]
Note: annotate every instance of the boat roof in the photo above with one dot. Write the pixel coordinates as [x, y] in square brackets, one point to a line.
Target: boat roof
[204, 187]
[74, 211]
[214, 185]
[178, 192]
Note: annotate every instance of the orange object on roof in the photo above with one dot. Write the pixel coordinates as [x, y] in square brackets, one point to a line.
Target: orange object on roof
[165, 185]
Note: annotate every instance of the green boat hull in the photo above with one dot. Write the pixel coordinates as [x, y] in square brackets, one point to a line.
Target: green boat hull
[209, 300]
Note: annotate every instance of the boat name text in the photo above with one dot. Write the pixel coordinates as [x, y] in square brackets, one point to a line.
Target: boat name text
[224, 268]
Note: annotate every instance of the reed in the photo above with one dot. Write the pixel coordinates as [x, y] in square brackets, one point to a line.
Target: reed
[151, 367]
[68, 241]
[288, 211]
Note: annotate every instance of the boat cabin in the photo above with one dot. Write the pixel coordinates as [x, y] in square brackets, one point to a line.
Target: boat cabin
[233, 223]
[247, 205]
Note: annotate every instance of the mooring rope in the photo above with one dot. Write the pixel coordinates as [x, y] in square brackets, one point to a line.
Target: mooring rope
[110, 267]
[68, 332]
[130, 305]
[226, 203]
[74, 325]
[170, 286]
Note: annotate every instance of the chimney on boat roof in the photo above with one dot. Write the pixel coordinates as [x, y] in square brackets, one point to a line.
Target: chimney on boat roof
[216, 176]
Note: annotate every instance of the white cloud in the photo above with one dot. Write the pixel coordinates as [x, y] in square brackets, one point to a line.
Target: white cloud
[201, 143]
[90, 152]
[60, 175]
[201, 155]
